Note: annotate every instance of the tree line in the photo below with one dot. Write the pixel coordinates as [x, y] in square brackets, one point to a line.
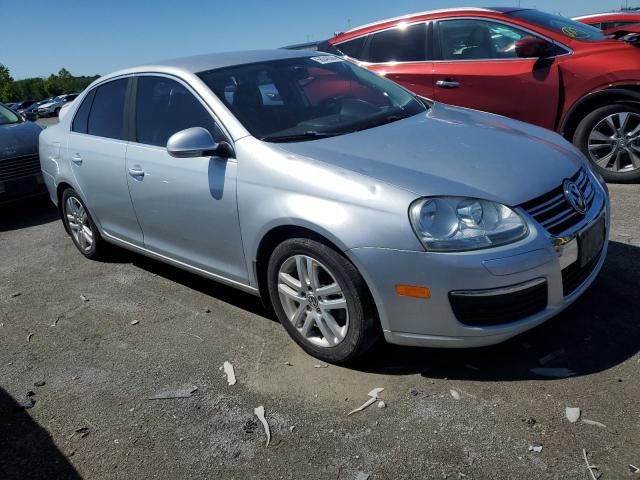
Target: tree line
[38, 88]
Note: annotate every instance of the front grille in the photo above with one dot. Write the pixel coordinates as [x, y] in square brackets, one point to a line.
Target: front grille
[574, 275]
[553, 211]
[19, 167]
[486, 308]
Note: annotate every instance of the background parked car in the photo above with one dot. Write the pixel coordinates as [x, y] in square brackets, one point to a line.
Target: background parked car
[607, 21]
[22, 106]
[53, 107]
[522, 63]
[20, 172]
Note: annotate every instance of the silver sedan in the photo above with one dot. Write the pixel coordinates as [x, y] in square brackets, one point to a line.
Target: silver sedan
[354, 208]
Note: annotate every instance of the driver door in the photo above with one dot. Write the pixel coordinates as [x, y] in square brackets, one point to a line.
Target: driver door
[478, 68]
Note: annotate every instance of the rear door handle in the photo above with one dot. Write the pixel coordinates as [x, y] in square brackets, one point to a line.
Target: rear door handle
[447, 84]
[77, 159]
[136, 172]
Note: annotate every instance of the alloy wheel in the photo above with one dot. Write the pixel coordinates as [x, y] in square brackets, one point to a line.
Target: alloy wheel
[313, 301]
[78, 222]
[614, 143]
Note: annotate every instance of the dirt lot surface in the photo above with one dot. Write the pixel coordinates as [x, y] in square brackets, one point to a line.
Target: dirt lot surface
[67, 342]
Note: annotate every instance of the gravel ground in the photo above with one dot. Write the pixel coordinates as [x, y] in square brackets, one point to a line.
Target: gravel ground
[67, 322]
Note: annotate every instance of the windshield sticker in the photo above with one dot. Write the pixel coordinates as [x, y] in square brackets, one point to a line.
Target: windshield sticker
[574, 32]
[326, 59]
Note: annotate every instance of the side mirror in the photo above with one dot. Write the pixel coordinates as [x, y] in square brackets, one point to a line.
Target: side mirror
[533, 47]
[197, 142]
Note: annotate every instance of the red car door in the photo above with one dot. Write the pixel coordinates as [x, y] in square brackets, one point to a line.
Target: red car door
[479, 68]
[401, 54]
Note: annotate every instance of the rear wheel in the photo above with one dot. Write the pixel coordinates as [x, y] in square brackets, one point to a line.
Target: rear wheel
[610, 138]
[81, 227]
[321, 300]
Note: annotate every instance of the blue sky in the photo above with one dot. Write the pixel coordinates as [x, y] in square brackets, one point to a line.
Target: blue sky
[95, 37]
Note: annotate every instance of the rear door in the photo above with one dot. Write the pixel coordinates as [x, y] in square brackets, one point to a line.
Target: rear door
[97, 151]
[477, 67]
[186, 206]
[401, 54]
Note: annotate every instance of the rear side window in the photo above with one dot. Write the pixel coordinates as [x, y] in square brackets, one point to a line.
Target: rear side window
[400, 44]
[352, 48]
[164, 107]
[106, 118]
[81, 119]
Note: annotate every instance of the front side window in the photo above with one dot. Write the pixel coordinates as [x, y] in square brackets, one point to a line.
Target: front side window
[164, 107]
[404, 43]
[106, 118]
[478, 40]
[309, 97]
[7, 117]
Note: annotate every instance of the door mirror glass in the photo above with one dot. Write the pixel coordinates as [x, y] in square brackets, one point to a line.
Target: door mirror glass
[196, 142]
[532, 47]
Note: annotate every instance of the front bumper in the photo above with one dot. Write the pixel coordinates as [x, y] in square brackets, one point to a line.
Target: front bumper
[433, 322]
[21, 187]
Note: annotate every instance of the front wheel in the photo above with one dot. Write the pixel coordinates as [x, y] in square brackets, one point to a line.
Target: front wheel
[610, 138]
[321, 300]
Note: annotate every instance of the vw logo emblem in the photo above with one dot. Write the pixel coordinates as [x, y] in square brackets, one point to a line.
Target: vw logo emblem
[574, 196]
[313, 301]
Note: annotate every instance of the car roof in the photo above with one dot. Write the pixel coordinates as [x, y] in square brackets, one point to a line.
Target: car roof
[495, 10]
[213, 61]
[609, 14]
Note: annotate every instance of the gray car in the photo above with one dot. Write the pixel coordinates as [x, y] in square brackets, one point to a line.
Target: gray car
[19, 163]
[354, 208]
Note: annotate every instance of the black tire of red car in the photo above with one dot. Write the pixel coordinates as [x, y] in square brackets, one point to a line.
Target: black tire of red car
[584, 130]
[363, 330]
[99, 248]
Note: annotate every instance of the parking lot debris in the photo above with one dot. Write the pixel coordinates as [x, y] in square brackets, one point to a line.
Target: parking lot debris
[553, 372]
[40, 383]
[207, 310]
[572, 414]
[288, 364]
[633, 469]
[230, 373]
[529, 421]
[416, 392]
[535, 447]
[29, 337]
[250, 426]
[55, 322]
[362, 476]
[259, 411]
[373, 397]
[184, 392]
[292, 428]
[318, 365]
[381, 404]
[28, 403]
[134, 322]
[551, 356]
[593, 422]
[83, 431]
[455, 394]
[590, 467]
[16, 294]
[84, 298]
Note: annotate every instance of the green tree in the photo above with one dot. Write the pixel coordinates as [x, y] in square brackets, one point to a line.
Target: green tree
[6, 84]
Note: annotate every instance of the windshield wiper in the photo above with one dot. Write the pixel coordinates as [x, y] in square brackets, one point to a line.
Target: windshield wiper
[308, 135]
[388, 119]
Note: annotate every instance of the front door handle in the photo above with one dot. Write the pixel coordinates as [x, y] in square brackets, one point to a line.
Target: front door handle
[136, 172]
[447, 84]
[77, 159]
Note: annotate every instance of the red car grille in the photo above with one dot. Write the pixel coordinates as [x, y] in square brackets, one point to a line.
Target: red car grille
[553, 211]
[19, 167]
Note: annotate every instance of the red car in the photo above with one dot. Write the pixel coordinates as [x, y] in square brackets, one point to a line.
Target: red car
[607, 21]
[522, 63]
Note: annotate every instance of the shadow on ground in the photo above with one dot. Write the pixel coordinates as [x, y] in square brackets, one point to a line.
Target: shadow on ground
[27, 212]
[26, 449]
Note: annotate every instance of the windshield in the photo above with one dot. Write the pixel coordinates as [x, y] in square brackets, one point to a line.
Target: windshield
[564, 26]
[7, 117]
[311, 97]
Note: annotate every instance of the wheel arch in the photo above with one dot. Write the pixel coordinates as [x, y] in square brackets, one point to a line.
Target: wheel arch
[592, 101]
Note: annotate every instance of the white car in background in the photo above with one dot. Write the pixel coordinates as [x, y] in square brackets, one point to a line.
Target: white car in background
[53, 108]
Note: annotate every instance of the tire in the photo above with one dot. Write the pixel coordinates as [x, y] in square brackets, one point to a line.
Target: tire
[596, 129]
[352, 330]
[78, 224]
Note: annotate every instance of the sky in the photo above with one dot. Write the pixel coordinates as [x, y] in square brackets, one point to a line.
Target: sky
[90, 37]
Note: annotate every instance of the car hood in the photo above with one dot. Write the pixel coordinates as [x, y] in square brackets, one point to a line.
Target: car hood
[19, 139]
[47, 105]
[453, 151]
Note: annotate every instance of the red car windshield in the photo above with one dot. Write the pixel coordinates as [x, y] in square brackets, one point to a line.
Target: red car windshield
[562, 25]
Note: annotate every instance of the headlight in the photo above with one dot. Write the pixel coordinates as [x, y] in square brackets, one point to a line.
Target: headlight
[457, 223]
